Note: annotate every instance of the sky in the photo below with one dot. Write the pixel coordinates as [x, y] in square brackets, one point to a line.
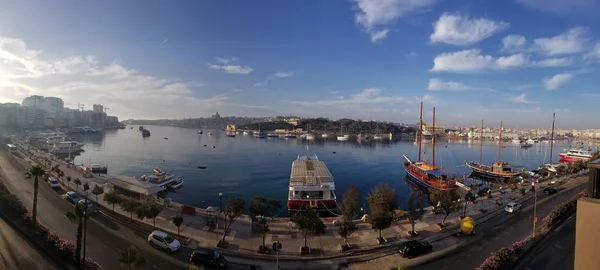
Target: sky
[515, 60]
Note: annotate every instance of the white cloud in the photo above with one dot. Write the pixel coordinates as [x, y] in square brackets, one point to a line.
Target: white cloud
[258, 84]
[557, 81]
[379, 35]
[439, 85]
[562, 7]
[462, 61]
[522, 98]
[458, 29]
[471, 61]
[233, 69]
[283, 74]
[413, 55]
[375, 16]
[512, 61]
[368, 96]
[572, 41]
[513, 43]
[224, 61]
[554, 62]
[85, 79]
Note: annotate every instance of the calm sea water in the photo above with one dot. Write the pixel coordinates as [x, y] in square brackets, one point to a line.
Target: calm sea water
[245, 166]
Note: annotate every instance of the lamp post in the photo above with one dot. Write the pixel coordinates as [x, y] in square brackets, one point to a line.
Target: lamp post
[534, 206]
[221, 202]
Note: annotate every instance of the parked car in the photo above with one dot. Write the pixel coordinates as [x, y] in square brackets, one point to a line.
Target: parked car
[208, 258]
[512, 207]
[53, 183]
[162, 240]
[73, 197]
[414, 248]
[549, 191]
[91, 207]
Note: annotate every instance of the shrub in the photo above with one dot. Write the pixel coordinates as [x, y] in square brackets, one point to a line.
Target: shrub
[504, 253]
[517, 247]
[523, 192]
[66, 248]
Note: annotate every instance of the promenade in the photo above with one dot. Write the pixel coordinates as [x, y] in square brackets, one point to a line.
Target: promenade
[326, 252]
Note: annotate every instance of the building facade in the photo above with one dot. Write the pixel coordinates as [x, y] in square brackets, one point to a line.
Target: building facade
[587, 232]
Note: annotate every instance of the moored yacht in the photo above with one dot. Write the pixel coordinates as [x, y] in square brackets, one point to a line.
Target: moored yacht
[66, 148]
[576, 154]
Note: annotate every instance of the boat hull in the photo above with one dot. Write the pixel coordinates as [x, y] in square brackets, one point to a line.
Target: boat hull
[295, 206]
[490, 175]
[415, 180]
[568, 158]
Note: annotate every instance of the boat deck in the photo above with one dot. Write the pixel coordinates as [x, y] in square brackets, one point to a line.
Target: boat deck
[310, 172]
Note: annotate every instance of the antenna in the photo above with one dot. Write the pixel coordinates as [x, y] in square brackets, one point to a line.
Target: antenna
[419, 138]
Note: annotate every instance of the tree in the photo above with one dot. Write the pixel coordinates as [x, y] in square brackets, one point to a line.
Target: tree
[97, 190]
[233, 210]
[152, 211]
[177, 221]
[86, 187]
[69, 181]
[446, 199]
[35, 172]
[113, 198]
[382, 202]
[310, 223]
[415, 211]
[345, 228]
[262, 211]
[141, 210]
[544, 172]
[469, 197]
[561, 170]
[351, 202]
[130, 206]
[77, 182]
[129, 257]
[77, 216]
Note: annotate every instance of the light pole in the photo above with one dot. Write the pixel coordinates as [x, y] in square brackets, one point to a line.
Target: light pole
[534, 206]
[221, 202]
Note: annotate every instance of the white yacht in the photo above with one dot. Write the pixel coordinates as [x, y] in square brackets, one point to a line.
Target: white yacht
[516, 141]
[66, 148]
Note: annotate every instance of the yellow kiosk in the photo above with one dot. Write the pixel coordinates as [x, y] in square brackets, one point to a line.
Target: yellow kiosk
[467, 226]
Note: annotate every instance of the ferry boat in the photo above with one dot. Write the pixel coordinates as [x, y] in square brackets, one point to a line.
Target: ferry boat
[499, 170]
[66, 148]
[423, 174]
[311, 187]
[97, 168]
[576, 154]
[161, 178]
[145, 133]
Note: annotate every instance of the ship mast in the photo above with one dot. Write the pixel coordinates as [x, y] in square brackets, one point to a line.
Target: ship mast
[552, 137]
[499, 141]
[420, 132]
[481, 143]
[433, 140]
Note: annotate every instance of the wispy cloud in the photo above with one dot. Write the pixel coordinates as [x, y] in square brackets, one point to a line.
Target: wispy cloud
[557, 81]
[377, 16]
[232, 69]
[283, 74]
[439, 85]
[461, 30]
[164, 41]
[572, 41]
[413, 55]
[513, 43]
[368, 96]
[522, 98]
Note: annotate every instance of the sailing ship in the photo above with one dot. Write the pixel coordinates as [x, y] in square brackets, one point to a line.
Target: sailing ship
[499, 170]
[427, 175]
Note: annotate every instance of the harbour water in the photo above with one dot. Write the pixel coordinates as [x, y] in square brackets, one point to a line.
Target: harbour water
[246, 166]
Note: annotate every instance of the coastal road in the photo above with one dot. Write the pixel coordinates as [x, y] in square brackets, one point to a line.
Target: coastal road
[556, 251]
[501, 231]
[17, 253]
[105, 237]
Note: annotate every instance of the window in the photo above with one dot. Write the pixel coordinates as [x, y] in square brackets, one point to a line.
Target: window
[169, 239]
[157, 238]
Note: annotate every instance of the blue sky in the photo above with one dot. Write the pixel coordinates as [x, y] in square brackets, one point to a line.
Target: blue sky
[515, 60]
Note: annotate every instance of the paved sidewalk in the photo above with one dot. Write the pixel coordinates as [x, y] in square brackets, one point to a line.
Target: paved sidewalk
[243, 243]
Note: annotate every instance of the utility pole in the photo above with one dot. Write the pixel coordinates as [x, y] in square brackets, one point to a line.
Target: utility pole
[552, 137]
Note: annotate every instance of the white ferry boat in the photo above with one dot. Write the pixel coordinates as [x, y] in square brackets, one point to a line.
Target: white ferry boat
[311, 186]
[576, 154]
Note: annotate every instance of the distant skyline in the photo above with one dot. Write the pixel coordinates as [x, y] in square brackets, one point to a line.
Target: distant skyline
[515, 60]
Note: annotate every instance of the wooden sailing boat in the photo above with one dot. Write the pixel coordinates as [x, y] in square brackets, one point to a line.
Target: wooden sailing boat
[427, 175]
[499, 170]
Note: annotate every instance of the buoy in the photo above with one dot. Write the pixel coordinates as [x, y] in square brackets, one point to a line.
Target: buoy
[214, 146]
[333, 152]
[205, 145]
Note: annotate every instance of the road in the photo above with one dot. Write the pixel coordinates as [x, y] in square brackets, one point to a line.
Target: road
[501, 231]
[17, 253]
[105, 237]
[556, 251]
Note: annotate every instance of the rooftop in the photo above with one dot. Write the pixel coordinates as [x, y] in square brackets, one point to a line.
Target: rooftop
[310, 171]
[134, 185]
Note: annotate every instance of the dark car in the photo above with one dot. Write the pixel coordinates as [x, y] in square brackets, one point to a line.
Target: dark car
[91, 207]
[414, 248]
[210, 259]
[549, 191]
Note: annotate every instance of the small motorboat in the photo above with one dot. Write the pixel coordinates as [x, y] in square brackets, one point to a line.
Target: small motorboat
[201, 167]
[177, 183]
[166, 138]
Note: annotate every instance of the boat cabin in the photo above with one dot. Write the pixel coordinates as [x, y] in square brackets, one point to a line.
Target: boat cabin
[501, 167]
[310, 180]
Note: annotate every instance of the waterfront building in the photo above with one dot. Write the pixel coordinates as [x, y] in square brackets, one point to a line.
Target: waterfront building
[587, 234]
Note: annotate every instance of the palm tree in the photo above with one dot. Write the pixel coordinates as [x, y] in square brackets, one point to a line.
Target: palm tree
[35, 172]
[77, 217]
[129, 257]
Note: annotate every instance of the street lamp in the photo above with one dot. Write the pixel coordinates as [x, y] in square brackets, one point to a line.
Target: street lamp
[221, 202]
[534, 206]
